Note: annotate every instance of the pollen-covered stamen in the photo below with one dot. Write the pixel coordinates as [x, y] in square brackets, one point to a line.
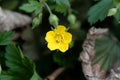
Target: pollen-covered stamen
[58, 38]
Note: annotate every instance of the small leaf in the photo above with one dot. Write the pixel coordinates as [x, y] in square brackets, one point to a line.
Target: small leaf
[6, 37]
[28, 7]
[62, 5]
[61, 8]
[66, 2]
[31, 6]
[99, 11]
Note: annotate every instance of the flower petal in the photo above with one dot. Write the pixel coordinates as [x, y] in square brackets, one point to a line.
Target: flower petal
[63, 47]
[52, 46]
[60, 28]
[67, 37]
[50, 36]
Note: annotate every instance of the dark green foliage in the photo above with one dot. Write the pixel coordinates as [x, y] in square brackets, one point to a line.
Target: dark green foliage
[12, 4]
[107, 51]
[2, 58]
[20, 67]
[36, 7]
[61, 8]
[67, 60]
[99, 11]
[62, 5]
[66, 2]
[5, 37]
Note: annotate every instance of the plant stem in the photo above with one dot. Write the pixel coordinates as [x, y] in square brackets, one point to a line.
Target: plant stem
[55, 74]
[49, 10]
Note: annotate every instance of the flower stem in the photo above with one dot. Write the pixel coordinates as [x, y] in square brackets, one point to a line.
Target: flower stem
[49, 10]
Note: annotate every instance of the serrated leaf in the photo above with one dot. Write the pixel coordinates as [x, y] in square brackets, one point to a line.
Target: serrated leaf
[31, 6]
[66, 2]
[99, 11]
[61, 8]
[28, 7]
[107, 52]
[20, 67]
[6, 37]
[62, 5]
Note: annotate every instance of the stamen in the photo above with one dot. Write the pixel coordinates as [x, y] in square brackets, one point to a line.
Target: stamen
[58, 38]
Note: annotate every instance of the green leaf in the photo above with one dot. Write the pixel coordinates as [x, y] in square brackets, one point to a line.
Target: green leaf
[28, 7]
[6, 37]
[66, 2]
[31, 6]
[20, 67]
[61, 8]
[62, 5]
[99, 11]
[107, 51]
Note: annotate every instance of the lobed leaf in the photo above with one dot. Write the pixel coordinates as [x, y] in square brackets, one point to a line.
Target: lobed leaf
[107, 51]
[99, 11]
[61, 8]
[31, 6]
[62, 5]
[66, 2]
[20, 67]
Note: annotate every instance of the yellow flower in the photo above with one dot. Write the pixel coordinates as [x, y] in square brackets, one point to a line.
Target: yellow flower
[58, 39]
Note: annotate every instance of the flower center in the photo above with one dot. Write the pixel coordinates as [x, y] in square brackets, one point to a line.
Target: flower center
[58, 38]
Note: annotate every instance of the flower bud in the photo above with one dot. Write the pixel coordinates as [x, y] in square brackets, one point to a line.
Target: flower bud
[53, 20]
[37, 20]
[112, 11]
[71, 18]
